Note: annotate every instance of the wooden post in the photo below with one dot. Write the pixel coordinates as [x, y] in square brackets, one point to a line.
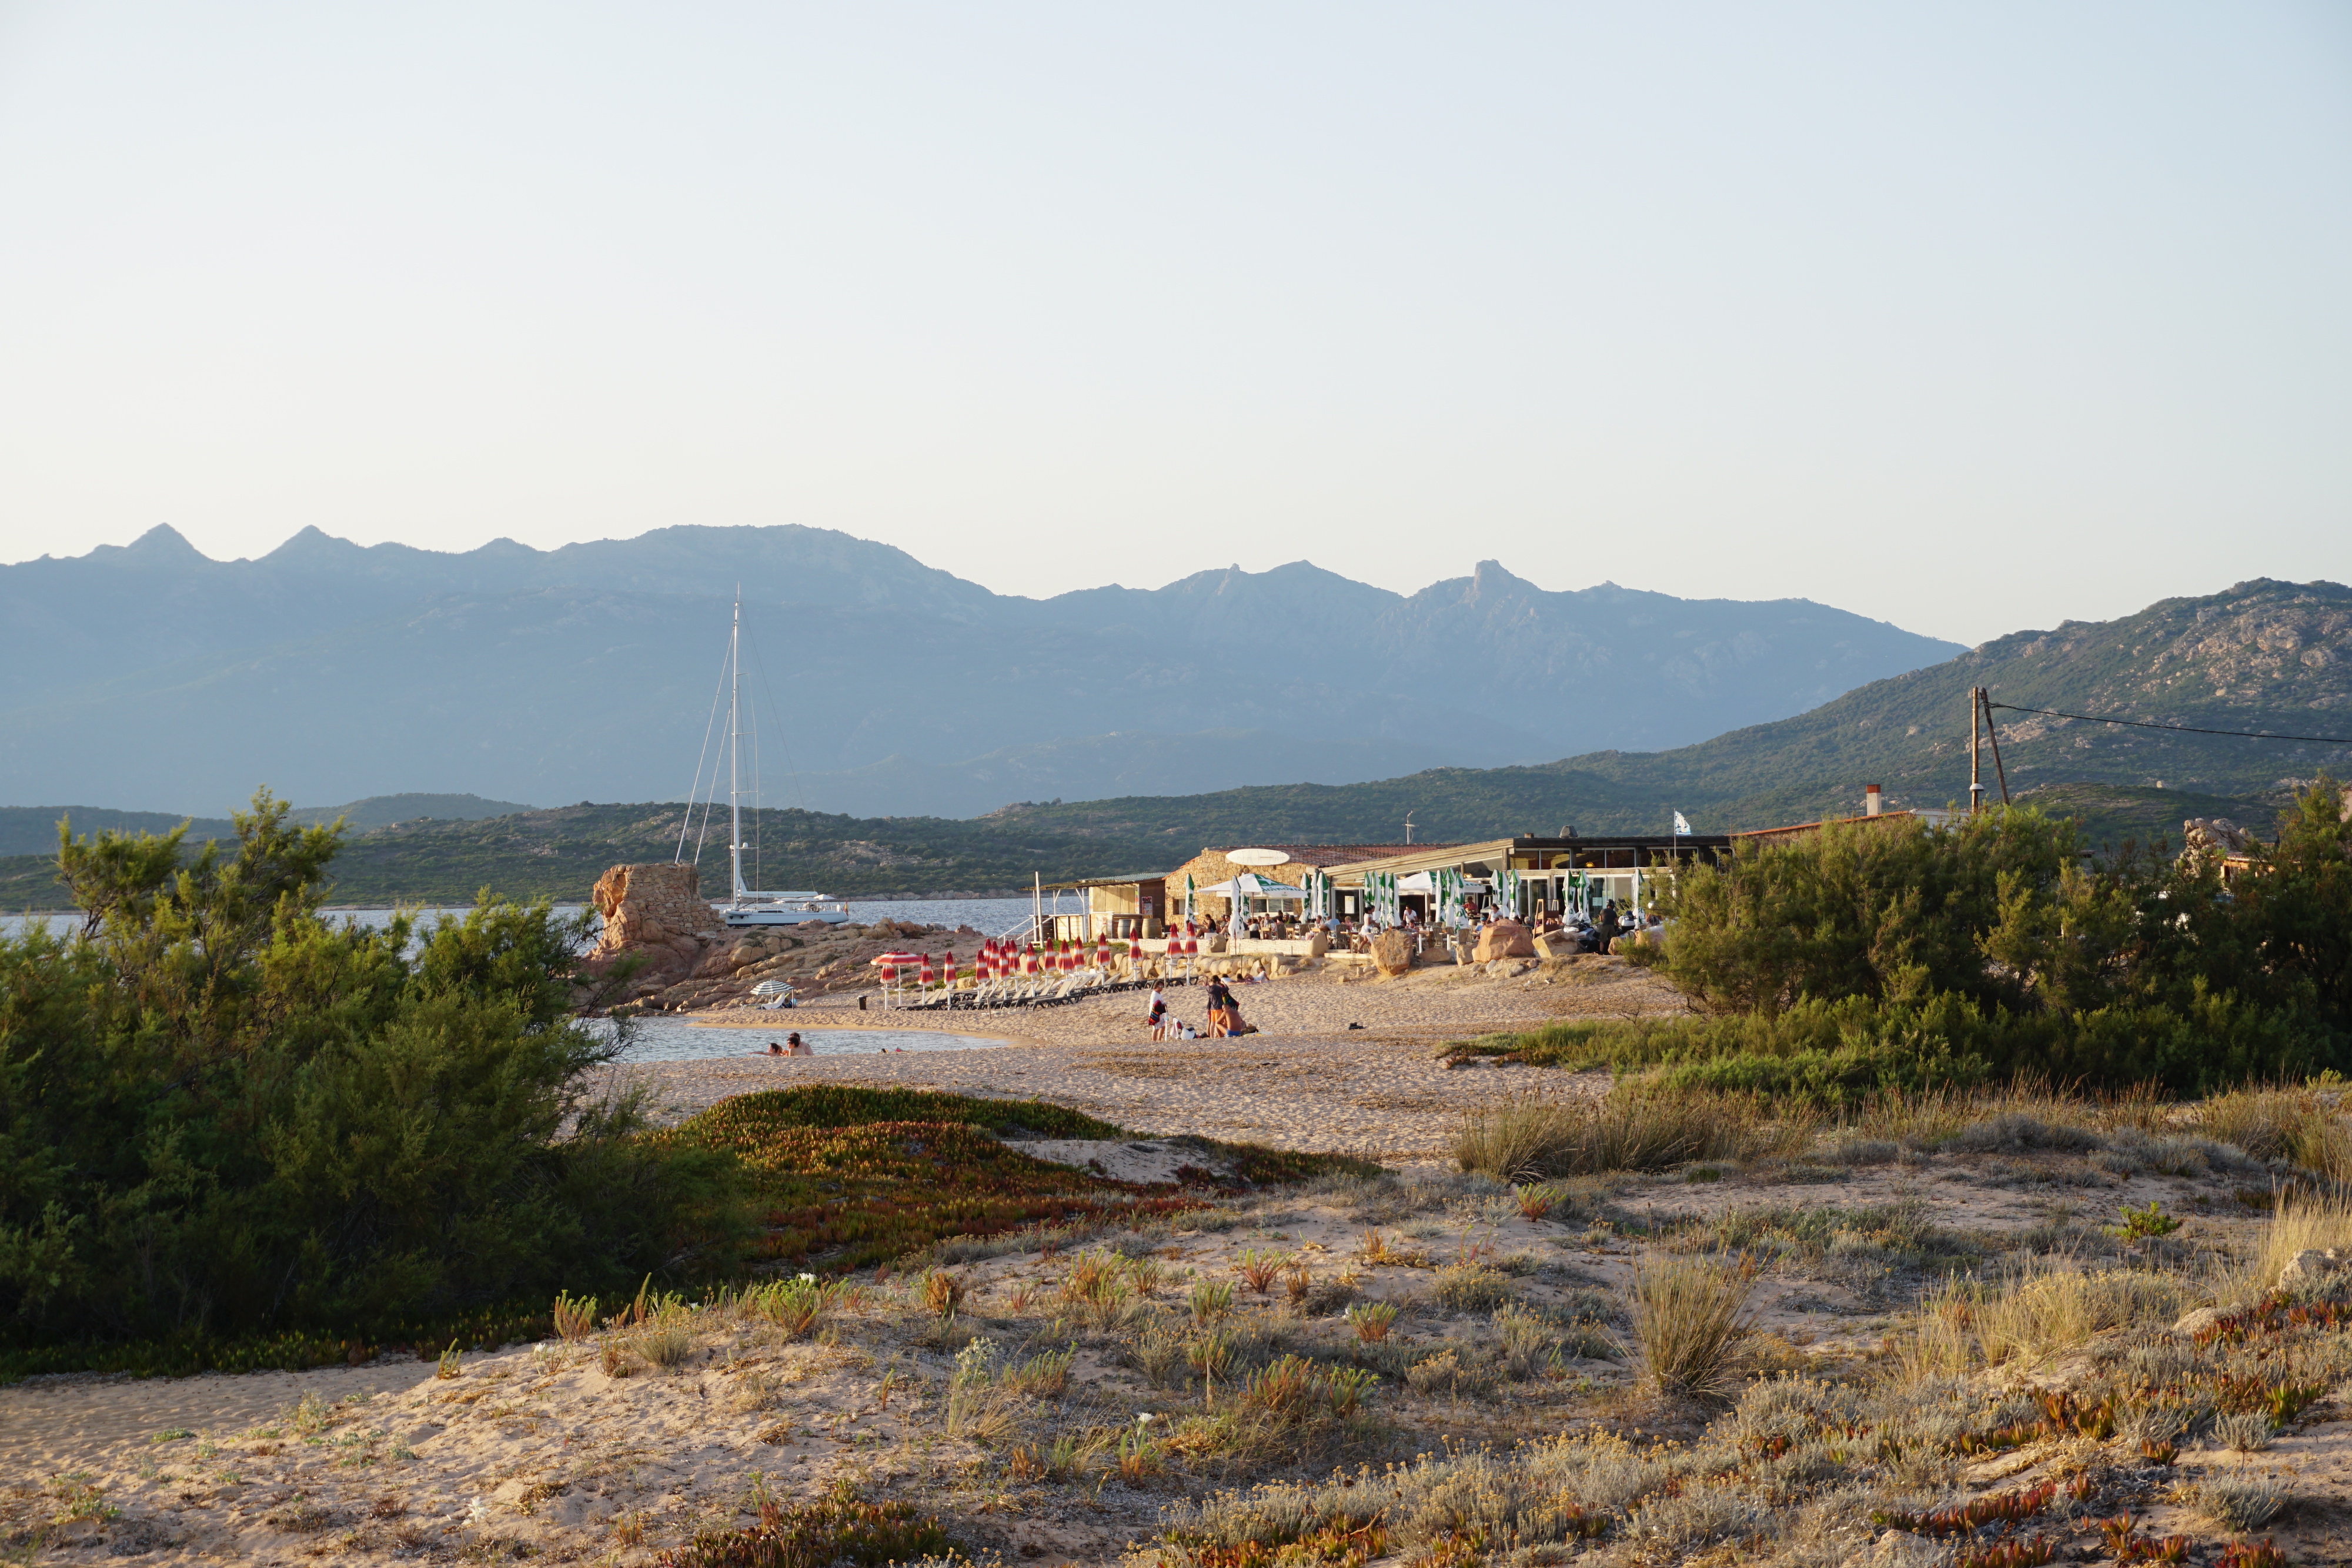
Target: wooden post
[1993, 736]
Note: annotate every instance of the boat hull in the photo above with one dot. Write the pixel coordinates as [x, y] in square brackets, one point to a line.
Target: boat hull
[738, 919]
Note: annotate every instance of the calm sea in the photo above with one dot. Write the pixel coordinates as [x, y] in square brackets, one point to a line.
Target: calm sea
[672, 1039]
[989, 916]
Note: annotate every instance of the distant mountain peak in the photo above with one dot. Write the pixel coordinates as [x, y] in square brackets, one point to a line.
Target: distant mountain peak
[160, 546]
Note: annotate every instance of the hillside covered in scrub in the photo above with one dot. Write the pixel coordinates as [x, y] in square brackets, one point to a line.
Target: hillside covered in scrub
[2263, 655]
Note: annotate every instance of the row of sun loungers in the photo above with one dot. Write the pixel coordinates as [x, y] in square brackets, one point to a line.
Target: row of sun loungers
[1025, 991]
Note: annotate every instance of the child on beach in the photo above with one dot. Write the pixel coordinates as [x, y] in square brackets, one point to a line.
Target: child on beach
[1158, 1015]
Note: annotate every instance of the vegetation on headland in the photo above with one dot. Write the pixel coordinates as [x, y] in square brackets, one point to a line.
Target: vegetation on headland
[1858, 960]
[558, 854]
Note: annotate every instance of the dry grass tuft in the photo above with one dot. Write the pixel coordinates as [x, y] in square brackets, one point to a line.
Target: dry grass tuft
[1529, 1138]
[1691, 1322]
[1971, 1323]
[2301, 1222]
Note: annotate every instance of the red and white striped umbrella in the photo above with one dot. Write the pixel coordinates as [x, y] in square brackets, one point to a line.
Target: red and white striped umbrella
[1102, 952]
[928, 977]
[1135, 950]
[1029, 963]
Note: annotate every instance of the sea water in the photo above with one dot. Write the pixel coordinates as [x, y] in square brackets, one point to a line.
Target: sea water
[989, 916]
[675, 1040]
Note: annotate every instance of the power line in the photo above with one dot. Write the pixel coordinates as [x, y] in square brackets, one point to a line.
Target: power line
[2176, 728]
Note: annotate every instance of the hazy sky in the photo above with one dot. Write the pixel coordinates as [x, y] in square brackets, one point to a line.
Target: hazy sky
[1970, 317]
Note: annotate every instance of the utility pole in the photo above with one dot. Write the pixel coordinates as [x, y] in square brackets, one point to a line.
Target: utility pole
[1976, 785]
[1992, 737]
[1408, 826]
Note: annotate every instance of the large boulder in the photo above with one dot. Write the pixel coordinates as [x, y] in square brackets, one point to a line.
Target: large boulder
[1503, 939]
[2217, 836]
[1392, 951]
[649, 906]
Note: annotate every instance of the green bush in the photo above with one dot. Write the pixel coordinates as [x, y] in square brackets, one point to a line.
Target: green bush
[1867, 956]
[223, 1116]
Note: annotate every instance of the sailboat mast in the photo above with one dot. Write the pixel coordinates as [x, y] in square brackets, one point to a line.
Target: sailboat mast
[734, 748]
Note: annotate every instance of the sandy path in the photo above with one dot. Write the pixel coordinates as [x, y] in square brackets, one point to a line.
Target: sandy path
[51, 1423]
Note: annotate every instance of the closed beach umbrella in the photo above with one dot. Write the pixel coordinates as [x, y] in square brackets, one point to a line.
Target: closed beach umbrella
[1029, 963]
[1102, 952]
[950, 963]
[927, 977]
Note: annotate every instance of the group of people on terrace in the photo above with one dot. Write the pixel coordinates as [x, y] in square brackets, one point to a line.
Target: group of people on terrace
[1591, 933]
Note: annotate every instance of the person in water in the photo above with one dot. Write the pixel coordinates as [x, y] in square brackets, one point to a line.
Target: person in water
[799, 1047]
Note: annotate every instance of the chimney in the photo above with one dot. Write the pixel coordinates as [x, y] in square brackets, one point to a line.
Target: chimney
[1873, 801]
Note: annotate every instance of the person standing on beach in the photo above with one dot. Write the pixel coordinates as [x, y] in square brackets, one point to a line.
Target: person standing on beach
[1157, 1017]
[1220, 1010]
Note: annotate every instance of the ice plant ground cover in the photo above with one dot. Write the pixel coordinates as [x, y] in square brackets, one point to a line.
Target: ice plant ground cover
[848, 1178]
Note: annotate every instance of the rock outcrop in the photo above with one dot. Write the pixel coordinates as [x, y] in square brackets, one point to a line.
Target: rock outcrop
[2311, 1269]
[2217, 836]
[1392, 951]
[1503, 939]
[685, 957]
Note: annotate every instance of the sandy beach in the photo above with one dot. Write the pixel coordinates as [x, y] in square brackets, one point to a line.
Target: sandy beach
[1305, 1080]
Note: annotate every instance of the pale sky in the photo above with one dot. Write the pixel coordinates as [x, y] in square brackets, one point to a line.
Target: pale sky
[1972, 318]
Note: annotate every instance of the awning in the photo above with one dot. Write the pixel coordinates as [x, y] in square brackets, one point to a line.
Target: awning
[1249, 884]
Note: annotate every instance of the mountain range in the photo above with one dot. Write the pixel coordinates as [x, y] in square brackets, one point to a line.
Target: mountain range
[149, 676]
[2263, 656]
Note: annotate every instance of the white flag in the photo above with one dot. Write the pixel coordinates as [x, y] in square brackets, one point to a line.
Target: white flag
[1681, 823]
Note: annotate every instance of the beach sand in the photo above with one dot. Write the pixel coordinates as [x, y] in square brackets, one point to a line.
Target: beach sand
[1305, 1080]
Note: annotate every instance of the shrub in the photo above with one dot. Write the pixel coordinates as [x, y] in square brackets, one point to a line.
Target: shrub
[2245, 1431]
[229, 1117]
[2240, 1502]
[1473, 1287]
[1691, 1322]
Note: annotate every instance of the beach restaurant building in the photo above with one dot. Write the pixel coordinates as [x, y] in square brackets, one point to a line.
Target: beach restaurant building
[1268, 877]
[1446, 884]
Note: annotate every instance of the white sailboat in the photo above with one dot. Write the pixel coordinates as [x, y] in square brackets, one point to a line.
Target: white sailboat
[748, 906]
